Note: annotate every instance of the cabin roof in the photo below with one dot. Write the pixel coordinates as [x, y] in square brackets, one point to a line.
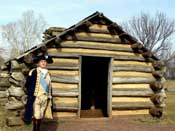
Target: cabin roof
[97, 15]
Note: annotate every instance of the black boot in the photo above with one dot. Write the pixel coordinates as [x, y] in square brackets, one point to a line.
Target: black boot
[35, 125]
[38, 124]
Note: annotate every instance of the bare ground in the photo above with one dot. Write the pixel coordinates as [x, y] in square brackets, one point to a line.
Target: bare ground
[105, 124]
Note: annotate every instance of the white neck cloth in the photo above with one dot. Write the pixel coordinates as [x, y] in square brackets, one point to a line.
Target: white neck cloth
[43, 71]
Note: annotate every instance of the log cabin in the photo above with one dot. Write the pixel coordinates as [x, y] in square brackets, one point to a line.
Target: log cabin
[98, 70]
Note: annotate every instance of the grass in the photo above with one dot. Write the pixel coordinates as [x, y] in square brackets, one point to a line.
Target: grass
[170, 107]
[170, 85]
[169, 111]
[3, 126]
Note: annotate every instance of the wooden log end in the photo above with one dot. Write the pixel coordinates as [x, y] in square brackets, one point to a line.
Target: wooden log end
[28, 58]
[16, 83]
[137, 46]
[11, 105]
[147, 54]
[156, 112]
[4, 84]
[16, 91]
[14, 121]
[3, 67]
[157, 99]
[158, 64]
[18, 76]
[3, 94]
[150, 59]
[4, 74]
[15, 64]
[25, 71]
[156, 86]
[162, 105]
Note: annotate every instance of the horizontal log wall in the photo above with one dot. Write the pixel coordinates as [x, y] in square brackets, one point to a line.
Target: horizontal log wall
[64, 73]
[66, 61]
[65, 104]
[132, 68]
[131, 99]
[64, 114]
[91, 51]
[131, 103]
[102, 43]
[93, 45]
[96, 35]
[130, 112]
[99, 27]
[131, 77]
[132, 63]
[134, 80]
[131, 89]
[131, 74]
[66, 86]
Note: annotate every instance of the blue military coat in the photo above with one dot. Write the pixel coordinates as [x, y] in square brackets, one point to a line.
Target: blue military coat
[30, 85]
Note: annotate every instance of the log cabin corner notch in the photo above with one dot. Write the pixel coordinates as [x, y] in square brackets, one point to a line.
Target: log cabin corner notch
[97, 69]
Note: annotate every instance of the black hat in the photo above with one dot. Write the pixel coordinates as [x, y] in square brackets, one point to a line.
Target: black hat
[42, 56]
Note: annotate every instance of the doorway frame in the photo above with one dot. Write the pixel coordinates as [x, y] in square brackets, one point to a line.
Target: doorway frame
[109, 85]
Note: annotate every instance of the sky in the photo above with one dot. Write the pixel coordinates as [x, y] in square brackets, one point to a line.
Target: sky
[65, 13]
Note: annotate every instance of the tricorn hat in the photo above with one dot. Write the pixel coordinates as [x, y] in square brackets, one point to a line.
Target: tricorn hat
[42, 56]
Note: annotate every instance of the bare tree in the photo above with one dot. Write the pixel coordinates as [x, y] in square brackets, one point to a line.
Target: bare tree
[24, 33]
[10, 34]
[170, 72]
[1, 58]
[155, 32]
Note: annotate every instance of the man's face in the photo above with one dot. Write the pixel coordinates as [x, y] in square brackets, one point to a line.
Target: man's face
[42, 63]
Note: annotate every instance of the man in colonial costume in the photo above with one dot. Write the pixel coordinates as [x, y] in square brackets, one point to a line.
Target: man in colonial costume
[39, 91]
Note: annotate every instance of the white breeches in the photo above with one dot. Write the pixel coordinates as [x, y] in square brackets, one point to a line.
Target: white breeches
[39, 106]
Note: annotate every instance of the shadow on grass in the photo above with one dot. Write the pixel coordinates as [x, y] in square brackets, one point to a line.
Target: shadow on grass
[165, 120]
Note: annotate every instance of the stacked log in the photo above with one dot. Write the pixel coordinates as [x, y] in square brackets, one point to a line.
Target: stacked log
[159, 101]
[16, 95]
[65, 84]
[158, 98]
[133, 66]
[131, 90]
[4, 76]
[52, 32]
[4, 84]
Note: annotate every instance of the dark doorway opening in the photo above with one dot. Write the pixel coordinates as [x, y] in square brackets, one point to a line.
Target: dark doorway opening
[94, 86]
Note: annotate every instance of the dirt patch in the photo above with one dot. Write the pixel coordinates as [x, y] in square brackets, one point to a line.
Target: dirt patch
[105, 124]
[93, 113]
